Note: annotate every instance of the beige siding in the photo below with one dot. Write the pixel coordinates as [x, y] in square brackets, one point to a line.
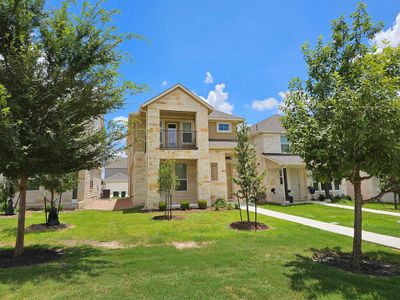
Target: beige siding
[214, 135]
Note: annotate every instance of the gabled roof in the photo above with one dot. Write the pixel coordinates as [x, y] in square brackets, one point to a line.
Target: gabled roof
[117, 177]
[178, 86]
[271, 124]
[220, 115]
[285, 160]
[120, 163]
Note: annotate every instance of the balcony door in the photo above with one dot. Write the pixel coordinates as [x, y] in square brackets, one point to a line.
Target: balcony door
[172, 134]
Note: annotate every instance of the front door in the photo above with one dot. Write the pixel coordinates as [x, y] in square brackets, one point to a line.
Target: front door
[172, 136]
[295, 184]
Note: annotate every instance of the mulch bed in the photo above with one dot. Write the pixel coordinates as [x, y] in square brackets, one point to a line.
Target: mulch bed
[368, 265]
[29, 258]
[44, 227]
[248, 226]
[166, 218]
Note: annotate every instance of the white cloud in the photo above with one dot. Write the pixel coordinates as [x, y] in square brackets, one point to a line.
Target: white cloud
[268, 103]
[121, 154]
[164, 83]
[391, 35]
[265, 104]
[209, 78]
[121, 119]
[219, 99]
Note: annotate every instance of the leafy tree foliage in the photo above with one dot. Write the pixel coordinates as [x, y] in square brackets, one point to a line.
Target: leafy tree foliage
[248, 179]
[345, 118]
[60, 73]
[167, 181]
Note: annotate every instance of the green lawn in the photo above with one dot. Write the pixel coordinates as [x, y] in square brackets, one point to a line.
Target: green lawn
[371, 221]
[274, 264]
[376, 205]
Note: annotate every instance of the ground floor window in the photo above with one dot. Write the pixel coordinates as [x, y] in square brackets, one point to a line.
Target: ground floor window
[115, 194]
[181, 173]
[123, 194]
[321, 186]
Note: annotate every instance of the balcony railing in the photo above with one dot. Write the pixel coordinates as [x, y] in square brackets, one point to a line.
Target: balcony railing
[177, 139]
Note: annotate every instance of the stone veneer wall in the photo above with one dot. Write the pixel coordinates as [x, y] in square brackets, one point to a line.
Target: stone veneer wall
[86, 194]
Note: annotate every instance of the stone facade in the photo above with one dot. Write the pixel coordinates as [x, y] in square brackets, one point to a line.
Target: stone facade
[176, 106]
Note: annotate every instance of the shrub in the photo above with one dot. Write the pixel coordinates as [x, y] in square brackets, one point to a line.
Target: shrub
[230, 206]
[162, 206]
[348, 198]
[220, 203]
[202, 204]
[321, 197]
[185, 205]
[236, 206]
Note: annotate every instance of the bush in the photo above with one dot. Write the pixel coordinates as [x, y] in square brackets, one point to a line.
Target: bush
[230, 206]
[321, 197]
[202, 204]
[348, 198]
[236, 206]
[185, 205]
[162, 206]
[219, 203]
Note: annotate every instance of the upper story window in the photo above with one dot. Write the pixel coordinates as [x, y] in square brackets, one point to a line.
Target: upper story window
[284, 144]
[224, 127]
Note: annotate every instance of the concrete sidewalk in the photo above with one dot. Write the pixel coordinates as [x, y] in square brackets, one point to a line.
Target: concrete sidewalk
[375, 211]
[376, 238]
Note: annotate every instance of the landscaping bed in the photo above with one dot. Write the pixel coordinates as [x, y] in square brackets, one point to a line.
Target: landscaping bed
[248, 226]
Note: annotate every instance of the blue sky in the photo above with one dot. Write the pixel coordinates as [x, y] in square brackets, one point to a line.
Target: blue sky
[251, 49]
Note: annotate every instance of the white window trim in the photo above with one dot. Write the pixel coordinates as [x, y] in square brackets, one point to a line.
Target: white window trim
[187, 179]
[224, 131]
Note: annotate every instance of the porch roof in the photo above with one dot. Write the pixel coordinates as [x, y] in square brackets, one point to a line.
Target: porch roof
[285, 159]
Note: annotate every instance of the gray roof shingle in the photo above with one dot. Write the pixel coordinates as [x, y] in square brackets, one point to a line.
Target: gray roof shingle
[218, 115]
[271, 124]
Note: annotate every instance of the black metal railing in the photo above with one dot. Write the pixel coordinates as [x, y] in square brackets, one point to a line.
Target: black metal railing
[177, 139]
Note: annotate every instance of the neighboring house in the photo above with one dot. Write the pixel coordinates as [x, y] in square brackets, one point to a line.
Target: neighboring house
[285, 173]
[115, 183]
[179, 125]
[87, 190]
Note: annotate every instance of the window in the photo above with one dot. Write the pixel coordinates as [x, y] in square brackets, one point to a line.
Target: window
[280, 176]
[315, 185]
[181, 173]
[284, 144]
[323, 186]
[123, 194]
[337, 185]
[115, 194]
[223, 127]
[187, 132]
[214, 171]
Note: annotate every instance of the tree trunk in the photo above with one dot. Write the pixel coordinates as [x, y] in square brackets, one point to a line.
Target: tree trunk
[326, 189]
[255, 216]
[59, 203]
[240, 210]
[247, 210]
[45, 210]
[357, 239]
[395, 199]
[19, 244]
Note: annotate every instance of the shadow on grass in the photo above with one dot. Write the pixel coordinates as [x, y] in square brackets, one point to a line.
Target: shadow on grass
[133, 210]
[317, 280]
[76, 262]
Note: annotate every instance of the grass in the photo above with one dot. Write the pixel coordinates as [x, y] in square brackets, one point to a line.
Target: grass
[383, 224]
[272, 264]
[375, 205]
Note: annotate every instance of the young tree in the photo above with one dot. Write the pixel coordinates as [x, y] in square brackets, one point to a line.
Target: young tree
[167, 181]
[56, 184]
[248, 179]
[60, 72]
[344, 120]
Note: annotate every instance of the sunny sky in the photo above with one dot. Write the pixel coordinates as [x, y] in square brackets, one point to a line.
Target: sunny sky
[237, 54]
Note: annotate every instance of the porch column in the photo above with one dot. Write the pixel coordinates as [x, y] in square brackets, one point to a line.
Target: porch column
[285, 184]
[152, 157]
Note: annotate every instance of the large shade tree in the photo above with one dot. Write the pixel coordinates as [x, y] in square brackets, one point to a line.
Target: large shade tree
[344, 121]
[60, 74]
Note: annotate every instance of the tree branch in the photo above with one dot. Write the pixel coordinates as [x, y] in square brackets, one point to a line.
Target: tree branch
[376, 197]
[366, 177]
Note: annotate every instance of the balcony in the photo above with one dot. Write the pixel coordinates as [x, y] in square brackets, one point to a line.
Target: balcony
[177, 139]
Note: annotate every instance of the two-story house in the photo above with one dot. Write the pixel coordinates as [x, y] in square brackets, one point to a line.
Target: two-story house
[285, 173]
[178, 125]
